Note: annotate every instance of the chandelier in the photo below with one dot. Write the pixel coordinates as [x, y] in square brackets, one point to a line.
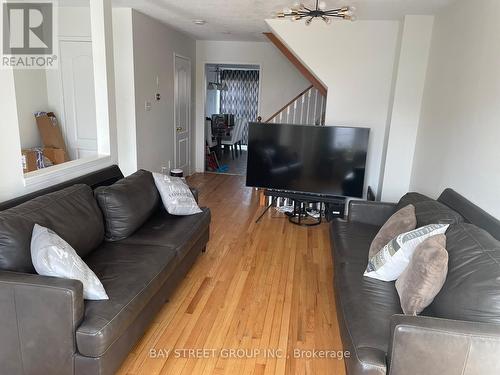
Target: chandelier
[299, 11]
[217, 85]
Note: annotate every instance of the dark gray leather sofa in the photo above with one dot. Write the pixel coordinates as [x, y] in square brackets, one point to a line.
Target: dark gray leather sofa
[46, 326]
[459, 333]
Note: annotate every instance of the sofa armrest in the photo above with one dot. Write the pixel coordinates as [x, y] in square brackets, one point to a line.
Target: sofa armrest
[39, 317]
[368, 212]
[432, 346]
[195, 193]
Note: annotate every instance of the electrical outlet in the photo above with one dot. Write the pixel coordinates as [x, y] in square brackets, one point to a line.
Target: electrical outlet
[147, 106]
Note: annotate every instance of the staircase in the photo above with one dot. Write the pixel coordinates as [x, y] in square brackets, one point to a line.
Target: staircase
[307, 108]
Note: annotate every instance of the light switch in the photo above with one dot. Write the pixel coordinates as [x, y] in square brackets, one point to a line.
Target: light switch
[147, 106]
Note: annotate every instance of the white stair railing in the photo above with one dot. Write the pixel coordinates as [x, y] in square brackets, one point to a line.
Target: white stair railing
[308, 108]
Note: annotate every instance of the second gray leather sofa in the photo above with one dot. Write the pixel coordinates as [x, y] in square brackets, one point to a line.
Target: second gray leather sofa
[459, 333]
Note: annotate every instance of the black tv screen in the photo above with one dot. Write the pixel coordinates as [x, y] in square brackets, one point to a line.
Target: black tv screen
[327, 160]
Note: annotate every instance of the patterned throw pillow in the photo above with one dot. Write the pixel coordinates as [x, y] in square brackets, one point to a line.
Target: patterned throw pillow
[176, 195]
[390, 262]
[52, 256]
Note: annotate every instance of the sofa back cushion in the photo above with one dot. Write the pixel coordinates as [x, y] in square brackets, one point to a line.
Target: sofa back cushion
[472, 288]
[72, 213]
[429, 211]
[127, 204]
[434, 212]
[411, 198]
[470, 212]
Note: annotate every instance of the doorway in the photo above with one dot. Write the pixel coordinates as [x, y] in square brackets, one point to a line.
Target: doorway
[182, 114]
[232, 102]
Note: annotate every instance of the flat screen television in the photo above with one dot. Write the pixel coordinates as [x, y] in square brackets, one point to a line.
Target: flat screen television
[325, 160]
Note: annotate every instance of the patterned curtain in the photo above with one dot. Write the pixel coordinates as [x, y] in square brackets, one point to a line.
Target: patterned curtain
[242, 96]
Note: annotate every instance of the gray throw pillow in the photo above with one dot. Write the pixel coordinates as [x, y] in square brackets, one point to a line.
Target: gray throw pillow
[425, 275]
[402, 221]
[52, 256]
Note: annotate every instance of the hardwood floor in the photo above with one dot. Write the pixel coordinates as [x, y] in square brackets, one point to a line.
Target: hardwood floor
[259, 294]
[237, 166]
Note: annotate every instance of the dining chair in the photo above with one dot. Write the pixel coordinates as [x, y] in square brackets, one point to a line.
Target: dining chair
[232, 141]
[239, 141]
[211, 142]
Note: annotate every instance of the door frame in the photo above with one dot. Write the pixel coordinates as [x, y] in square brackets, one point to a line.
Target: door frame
[204, 98]
[190, 134]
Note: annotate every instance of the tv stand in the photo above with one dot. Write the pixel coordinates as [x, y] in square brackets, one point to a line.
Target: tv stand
[334, 206]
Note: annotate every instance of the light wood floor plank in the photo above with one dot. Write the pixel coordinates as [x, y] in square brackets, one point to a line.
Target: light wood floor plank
[260, 288]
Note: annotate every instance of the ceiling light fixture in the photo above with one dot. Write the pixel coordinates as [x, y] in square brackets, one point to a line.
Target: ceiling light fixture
[217, 85]
[299, 11]
[199, 22]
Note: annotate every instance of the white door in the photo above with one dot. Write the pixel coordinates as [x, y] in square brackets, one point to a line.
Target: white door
[77, 73]
[182, 113]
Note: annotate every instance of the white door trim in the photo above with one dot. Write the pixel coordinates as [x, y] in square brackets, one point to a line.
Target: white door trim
[190, 133]
[201, 151]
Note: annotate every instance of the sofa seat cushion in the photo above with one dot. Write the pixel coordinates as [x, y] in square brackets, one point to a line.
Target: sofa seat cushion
[178, 232]
[366, 306]
[131, 276]
[351, 241]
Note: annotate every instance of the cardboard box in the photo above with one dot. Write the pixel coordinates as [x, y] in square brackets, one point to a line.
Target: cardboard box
[29, 160]
[36, 158]
[55, 155]
[50, 131]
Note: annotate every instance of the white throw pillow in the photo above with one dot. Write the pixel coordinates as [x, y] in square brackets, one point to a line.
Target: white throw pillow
[176, 195]
[390, 262]
[52, 256]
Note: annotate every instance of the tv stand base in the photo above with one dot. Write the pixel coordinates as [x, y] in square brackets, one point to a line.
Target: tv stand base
[299, 216]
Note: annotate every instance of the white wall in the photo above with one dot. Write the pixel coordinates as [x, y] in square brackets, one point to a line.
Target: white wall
[144, 50]
[31, 94]
[280, 81]
[356, 61]
[458, 137]
[407, 105]
[125, 90]
[74, 22]
[11, 170]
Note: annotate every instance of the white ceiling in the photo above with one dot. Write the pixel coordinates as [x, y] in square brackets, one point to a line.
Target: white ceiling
[244, 19]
